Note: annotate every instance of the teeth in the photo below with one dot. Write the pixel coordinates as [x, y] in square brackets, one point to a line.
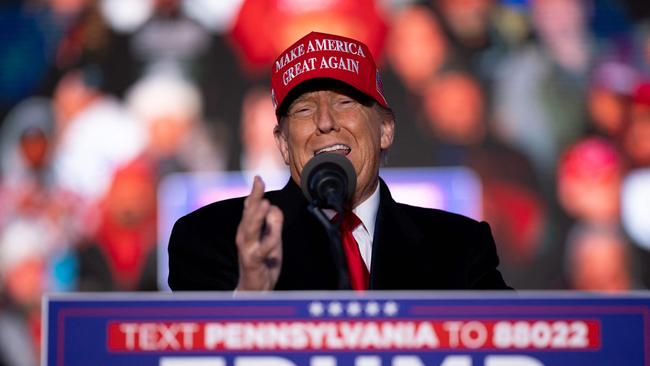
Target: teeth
[333, 148]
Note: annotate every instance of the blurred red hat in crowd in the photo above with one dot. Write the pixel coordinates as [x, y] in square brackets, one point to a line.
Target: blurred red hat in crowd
[642, 94]
[589, 176]
[591, 158]
[263, 28]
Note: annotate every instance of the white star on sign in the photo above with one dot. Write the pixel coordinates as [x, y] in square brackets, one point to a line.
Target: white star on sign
[372, 308]
[335, 308]
[390, 308]
[316, 308]
[354, 308]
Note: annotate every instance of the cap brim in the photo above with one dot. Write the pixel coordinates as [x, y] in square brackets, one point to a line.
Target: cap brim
[323, 83]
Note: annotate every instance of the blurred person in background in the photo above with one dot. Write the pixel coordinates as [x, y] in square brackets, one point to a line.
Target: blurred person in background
[120, 255]
[539, 89]
[516, 210]
[538, 99]
[416, 48]
[259, 154]
[28, 190]
[457, 118]
[95, 134]
[589, 181]
[169, 36]
[87, 36]
[26, 143]
[40, 223]
[24, 278]
[590, 174]
[468, 20]
[562, 29]
[185, 37]
[169, 107]
[608, 98]
[90, 40]
[598, 259]
[454, 108]
[476, 42]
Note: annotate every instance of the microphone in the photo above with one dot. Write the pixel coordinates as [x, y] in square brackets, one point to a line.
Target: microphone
[328, 181]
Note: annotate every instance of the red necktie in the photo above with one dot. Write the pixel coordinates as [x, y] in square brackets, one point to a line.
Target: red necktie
[359, 276]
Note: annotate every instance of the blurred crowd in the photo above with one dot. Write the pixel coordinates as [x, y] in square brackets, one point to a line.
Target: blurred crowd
[548, 101]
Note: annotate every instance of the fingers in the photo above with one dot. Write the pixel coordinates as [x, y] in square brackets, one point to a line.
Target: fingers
[259, 241]
[271, 248]
[257, 192]
[254, 220]
[253, 216]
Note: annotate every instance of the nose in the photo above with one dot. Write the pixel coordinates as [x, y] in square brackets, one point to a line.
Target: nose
[325, 119]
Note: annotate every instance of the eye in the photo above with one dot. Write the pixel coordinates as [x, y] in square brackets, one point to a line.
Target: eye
[345, 102]
[301, 109]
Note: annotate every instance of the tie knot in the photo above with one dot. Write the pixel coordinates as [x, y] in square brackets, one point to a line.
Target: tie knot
[350, 221]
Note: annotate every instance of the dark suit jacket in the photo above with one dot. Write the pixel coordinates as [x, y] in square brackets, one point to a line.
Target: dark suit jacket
[413, 248]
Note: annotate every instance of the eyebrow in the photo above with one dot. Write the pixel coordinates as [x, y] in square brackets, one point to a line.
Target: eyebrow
[302, 98]
[305, 95]
[298, 100]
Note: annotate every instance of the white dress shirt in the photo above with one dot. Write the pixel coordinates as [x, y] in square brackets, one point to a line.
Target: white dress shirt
[363, 234]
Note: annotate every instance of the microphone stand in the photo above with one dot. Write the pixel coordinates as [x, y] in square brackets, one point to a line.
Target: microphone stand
[336, 247]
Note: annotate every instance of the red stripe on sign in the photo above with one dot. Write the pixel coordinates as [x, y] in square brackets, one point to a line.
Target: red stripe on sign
[155, 336]
[394, 334]
[546, 334]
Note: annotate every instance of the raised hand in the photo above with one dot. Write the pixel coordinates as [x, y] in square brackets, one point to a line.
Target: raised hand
[259, 242]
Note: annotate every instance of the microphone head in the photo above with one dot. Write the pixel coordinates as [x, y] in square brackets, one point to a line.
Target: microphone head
[327, 169]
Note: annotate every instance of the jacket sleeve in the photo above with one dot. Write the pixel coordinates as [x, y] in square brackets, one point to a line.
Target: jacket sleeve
[199, 260]
[484, 274]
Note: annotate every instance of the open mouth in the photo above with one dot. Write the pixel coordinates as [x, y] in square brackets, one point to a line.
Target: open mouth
[334, 149]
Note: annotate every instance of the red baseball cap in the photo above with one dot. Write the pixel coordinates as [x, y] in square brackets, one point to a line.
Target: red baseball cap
[320, 55]
[592, 158]
[642, 94]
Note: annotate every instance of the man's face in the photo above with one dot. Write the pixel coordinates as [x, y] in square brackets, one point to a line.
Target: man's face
[335, 122]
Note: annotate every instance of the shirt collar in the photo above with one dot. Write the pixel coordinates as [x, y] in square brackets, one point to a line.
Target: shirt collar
[367, 211]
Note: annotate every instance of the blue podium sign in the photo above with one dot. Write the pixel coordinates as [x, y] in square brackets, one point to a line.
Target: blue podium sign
[335, 329]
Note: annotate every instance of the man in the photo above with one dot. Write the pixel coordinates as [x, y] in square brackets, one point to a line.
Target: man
[328, 99]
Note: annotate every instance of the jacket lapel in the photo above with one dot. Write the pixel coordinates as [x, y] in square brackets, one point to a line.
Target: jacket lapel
[306, 263]
[396, 247]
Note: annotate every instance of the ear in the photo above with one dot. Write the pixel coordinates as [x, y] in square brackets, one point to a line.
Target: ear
[387, 132]
[281, 141]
